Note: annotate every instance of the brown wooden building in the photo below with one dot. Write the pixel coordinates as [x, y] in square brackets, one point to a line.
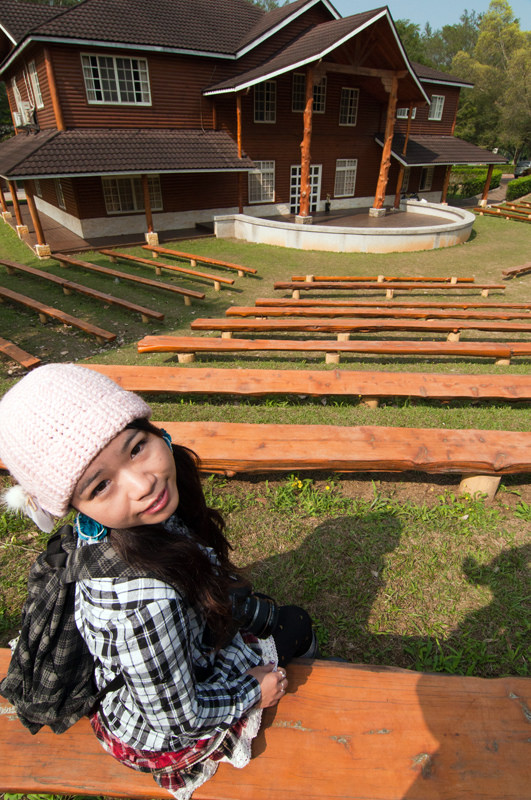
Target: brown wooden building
[134, 117]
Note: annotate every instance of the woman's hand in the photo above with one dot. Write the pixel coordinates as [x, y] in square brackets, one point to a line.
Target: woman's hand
[272, 682]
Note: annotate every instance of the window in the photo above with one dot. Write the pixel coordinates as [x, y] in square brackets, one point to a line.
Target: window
[59, 194]
[123, 195]
[345, 182]
[116, 80]
[265, 102]
[426, 179]
[262, 182]
[436, 107]
[35, 85]
[402, 113]
[405, 179]
[348, 106]
[298, 100]
[37, 187]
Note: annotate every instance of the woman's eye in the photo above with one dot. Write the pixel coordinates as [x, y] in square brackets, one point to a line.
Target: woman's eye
[135, 450]
[99, 488]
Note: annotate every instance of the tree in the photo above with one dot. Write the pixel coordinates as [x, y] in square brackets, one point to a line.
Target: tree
[441, 46]
[412, 40]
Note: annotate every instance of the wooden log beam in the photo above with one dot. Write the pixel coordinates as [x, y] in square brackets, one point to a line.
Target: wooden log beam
[388, 140]
[39, 233]
[486, 187]
[56, 105]
[16, 205]
[147, 204]
[304, 210]
[446, 183]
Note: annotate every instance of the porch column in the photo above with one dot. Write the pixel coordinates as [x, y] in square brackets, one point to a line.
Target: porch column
[58, 114]
[21, 229]
[240, 150]
[446, 184]
[304, 210]
[402, 167]
[378, 210]
[484, 196]
[6, 213]
[42, 249]
[152, 238]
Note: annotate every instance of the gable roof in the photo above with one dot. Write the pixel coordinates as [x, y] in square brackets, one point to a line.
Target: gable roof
[431, 75]
[429, 150]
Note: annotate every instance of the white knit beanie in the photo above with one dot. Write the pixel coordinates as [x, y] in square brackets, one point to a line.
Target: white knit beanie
[53, 423]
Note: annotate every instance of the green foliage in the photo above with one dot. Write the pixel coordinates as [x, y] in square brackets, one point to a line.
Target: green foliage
[468, 181]
[519, 187]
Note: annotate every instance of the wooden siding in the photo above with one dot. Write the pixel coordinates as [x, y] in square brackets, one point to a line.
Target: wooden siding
[422, 125]
[44, 116]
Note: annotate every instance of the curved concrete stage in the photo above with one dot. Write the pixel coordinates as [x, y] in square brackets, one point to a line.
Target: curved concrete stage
[448, 226]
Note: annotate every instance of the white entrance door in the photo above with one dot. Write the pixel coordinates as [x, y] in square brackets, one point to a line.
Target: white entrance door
[295, 187]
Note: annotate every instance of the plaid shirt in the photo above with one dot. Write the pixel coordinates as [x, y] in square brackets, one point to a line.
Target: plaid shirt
[144, 629]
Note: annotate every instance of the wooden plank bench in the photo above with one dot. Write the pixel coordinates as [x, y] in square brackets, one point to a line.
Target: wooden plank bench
[16, 353]
[331, 302]
[69, 261]
[187, 346]
[382, 278]
[317, 383]
[342, 732]
[513, 272]
[69, 286]
[349, 325]
[497, 211]
[46, 312]
[114, 255]
[193, 259]
[390, 287]
[362, 311]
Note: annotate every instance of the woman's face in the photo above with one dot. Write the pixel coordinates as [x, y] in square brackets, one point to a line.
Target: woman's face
[131, 482]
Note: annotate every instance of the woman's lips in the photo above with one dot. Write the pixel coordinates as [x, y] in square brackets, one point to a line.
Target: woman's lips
[159, 503]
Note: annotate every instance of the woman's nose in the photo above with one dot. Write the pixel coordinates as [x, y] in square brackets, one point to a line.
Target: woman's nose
[140, 482]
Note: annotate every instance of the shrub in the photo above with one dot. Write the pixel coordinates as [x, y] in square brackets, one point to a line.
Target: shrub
[519, 187]
[468, 181]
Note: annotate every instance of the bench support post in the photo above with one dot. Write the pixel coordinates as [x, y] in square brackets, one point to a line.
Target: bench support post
[186, 358]
[332, 358]
[479, 484]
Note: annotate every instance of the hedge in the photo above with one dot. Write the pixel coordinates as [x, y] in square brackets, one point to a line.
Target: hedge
[468, 181]
[519, 187]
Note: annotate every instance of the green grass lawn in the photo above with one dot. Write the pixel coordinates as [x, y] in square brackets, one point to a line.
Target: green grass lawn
[394, 570]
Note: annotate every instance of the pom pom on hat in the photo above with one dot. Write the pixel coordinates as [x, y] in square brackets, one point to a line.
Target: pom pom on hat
[53, 423]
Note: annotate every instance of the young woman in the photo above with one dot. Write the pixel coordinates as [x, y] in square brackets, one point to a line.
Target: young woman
[195, 677]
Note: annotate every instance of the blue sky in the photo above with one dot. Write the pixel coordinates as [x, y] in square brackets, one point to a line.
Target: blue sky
[437, 14]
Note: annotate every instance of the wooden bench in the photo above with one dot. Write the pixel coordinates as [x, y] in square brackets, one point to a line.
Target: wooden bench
[362, 311]
[15, 353]
[342, 732]
[114, 255]
[187, 346]
[523, 269]
[215, 262]
[48, 312]
[349, 325]
[278, 302]
[69, 286]
[390, 287]
[368, 386]
[69, 261]
[498, 211]
[381, 278]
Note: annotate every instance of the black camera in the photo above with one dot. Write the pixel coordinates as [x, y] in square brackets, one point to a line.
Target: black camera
[254, 612]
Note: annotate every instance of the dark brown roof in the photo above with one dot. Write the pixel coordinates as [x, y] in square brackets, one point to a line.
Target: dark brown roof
[98, 151]
[426, 150]
[429, 74]
[311, 45]
[269, 21]
[198, 25]
[18, 17]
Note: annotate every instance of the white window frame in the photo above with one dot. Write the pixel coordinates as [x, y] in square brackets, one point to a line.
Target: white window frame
[298, 94]
[261, 183]
[436, 107]
[348, 106]
[59, 194]
[405, 179]
[345, 178]
[403, 113]
[37, 187]
[117, 189]
[426, 179]
[35, 85]
[106, 81]
[265, 102]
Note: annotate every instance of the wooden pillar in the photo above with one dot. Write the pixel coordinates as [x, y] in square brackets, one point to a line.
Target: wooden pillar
[240, 149]
[446, 183]
[304, 210]
[147, 204]
[398, 190]
[59, 121]
[483, 201]
[386, 152]
[21, 228]
[6, 213]
[41, 248]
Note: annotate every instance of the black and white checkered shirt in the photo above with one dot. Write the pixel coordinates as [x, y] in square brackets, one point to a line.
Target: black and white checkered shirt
[144, 629]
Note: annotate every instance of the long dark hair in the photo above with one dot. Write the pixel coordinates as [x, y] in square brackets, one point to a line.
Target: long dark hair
[177, 559]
